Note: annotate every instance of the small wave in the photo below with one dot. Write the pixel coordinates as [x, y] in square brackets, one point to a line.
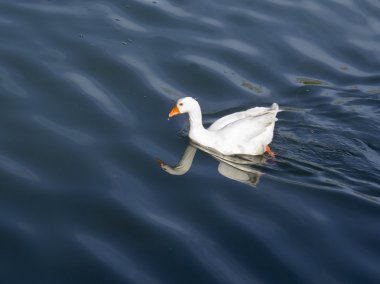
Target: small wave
[16, 168]
[229, 74]
[124, 265]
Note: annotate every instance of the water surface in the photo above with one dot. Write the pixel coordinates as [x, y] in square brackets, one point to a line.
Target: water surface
[85, 89]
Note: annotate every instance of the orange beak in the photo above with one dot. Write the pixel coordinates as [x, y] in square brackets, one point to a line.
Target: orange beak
[174, 111]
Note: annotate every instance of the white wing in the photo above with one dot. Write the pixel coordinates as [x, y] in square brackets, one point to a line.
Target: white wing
[249, 127]
[228, 119]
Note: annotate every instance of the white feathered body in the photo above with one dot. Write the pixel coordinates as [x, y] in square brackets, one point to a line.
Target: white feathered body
[241, 133]
[246, 132]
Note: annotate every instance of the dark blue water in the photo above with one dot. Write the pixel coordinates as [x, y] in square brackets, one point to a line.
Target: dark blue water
[85, 90]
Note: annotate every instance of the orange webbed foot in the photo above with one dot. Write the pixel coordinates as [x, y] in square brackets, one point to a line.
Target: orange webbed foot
[269, 152]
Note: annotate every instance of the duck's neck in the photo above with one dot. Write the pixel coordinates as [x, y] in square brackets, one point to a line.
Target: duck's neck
[195, 118]
[197, 131]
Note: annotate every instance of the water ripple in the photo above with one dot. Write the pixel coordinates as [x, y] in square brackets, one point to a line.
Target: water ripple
[9, 83]
[229, 74]
[109, 104]
[123, 264]
[75, 136]
[55, 9]
[15, 168]
[317, 54]
[232, 44]
[119, 19]
[161, 86]
[219, 263]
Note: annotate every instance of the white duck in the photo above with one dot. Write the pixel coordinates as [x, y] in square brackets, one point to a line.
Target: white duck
[242, 133]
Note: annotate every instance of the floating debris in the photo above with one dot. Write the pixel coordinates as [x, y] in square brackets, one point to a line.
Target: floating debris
[251, 86]
[310, 81]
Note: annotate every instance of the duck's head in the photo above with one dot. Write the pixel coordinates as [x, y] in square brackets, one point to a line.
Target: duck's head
[187, 104]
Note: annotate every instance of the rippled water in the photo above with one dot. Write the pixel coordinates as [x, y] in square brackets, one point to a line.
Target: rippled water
[85, 89]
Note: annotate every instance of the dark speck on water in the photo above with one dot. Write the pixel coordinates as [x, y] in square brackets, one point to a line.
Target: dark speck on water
[85, 90]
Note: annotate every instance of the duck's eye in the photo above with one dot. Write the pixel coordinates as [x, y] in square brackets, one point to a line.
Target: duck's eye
[180, 104]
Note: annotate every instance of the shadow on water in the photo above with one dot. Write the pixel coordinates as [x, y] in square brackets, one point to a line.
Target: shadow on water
[237, 167]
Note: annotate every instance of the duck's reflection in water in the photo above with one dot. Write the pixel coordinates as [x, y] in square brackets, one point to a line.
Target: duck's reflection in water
[239, 168]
